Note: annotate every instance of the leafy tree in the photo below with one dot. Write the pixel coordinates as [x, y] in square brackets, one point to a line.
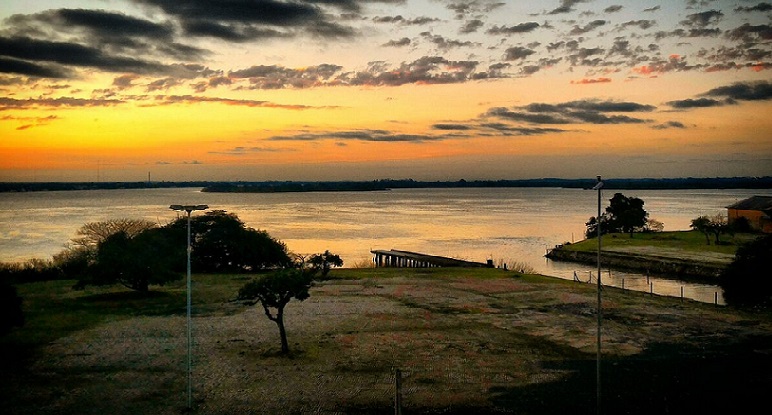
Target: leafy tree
[148, 258]
[92, 233]
[653, 225]
[323, 262]
[718, 226]
[627, 214]
[221, 242]
[273, 291]
[623, 214]
[702, 224]
[74, 260]
[11, 314]
[746, 280]
[712, 225]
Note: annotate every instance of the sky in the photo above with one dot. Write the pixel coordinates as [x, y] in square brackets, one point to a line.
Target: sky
[126, 90]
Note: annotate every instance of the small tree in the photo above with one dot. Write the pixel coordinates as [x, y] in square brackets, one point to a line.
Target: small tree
[712, 225]
[324, 262]
[746, 280]
[719, 225]
[702, 224]
[273, 291]
[653, 225]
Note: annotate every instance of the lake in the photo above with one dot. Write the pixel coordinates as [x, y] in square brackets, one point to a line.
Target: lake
[508, 225]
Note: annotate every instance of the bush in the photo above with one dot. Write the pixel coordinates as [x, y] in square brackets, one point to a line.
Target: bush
[29, 271]
[746, 281]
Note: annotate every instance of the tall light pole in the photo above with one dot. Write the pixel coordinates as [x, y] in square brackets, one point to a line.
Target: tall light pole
[598, 187]
[189, 209]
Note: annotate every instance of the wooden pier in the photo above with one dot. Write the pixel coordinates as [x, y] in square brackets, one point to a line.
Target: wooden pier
[407, 259]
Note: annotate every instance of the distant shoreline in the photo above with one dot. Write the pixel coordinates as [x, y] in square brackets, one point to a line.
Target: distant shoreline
[389, 184]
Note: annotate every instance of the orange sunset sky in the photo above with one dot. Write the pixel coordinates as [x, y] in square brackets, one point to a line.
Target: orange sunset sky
[114, 90]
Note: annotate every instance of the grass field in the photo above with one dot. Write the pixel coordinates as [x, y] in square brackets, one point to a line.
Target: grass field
[465, 340]
[686, 245]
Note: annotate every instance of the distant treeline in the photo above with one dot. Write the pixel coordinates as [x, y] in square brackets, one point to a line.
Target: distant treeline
[386, 184]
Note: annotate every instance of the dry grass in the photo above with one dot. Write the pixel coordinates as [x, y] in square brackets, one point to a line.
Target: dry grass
[486, 341]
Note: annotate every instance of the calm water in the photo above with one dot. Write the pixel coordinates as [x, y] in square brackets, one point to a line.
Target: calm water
[506, 225]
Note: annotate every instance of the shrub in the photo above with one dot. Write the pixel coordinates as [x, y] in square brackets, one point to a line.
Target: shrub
[746, 280]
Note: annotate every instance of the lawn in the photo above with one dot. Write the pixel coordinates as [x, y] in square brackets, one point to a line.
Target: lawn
[465, 340]
[690, 245]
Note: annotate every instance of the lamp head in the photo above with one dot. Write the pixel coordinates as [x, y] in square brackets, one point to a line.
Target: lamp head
[188, 208]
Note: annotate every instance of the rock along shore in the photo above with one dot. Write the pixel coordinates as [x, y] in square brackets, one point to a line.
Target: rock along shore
[646, 264]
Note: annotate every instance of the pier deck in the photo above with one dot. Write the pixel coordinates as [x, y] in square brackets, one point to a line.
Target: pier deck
[407, 259]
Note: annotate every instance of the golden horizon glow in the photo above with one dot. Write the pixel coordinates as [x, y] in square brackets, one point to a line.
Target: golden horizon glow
[407, 85]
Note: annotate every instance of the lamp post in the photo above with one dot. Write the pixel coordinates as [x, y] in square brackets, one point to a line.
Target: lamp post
[598, 187]
[189, 209]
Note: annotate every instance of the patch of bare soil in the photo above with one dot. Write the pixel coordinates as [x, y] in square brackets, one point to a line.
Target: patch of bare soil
[463, 345]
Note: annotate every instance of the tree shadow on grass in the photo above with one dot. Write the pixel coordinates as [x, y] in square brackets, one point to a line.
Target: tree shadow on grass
[132, 303]
[665, 379]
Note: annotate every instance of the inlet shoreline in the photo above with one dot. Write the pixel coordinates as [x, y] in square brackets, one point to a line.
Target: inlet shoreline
[667, 267]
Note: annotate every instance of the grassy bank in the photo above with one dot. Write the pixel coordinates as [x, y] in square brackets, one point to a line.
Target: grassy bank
[686, 241]
[466, 340]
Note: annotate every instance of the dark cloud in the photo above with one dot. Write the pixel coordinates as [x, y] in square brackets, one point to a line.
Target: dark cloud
[566, 6]
[761, 7]
[652, 9]
[74, 54]
[124, 81]
[363, 135]
[751, 33]
[9, 65]
[573, 112]
[242, 150]
[66, 102]
[696, 103]
[426, 70]
[613, 9]
[669, 124]
[518, 28]
[230, 32]
[458, 127]
[471, 26]
[581, 55]
[418, 21]
[279, 77]
[191, 99]
[517, 52]
[398, 43]
[643, 24]
[509, 130]
[588, 27]
[111, 32]
[743, 91]
[729, 94]
[466, 8]
[244, 20]
[445, 44]
[703, 19]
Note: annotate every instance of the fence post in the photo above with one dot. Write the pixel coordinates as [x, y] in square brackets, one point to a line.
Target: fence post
[397, 392]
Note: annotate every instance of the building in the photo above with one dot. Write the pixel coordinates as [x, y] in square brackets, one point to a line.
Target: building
[756, 209]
